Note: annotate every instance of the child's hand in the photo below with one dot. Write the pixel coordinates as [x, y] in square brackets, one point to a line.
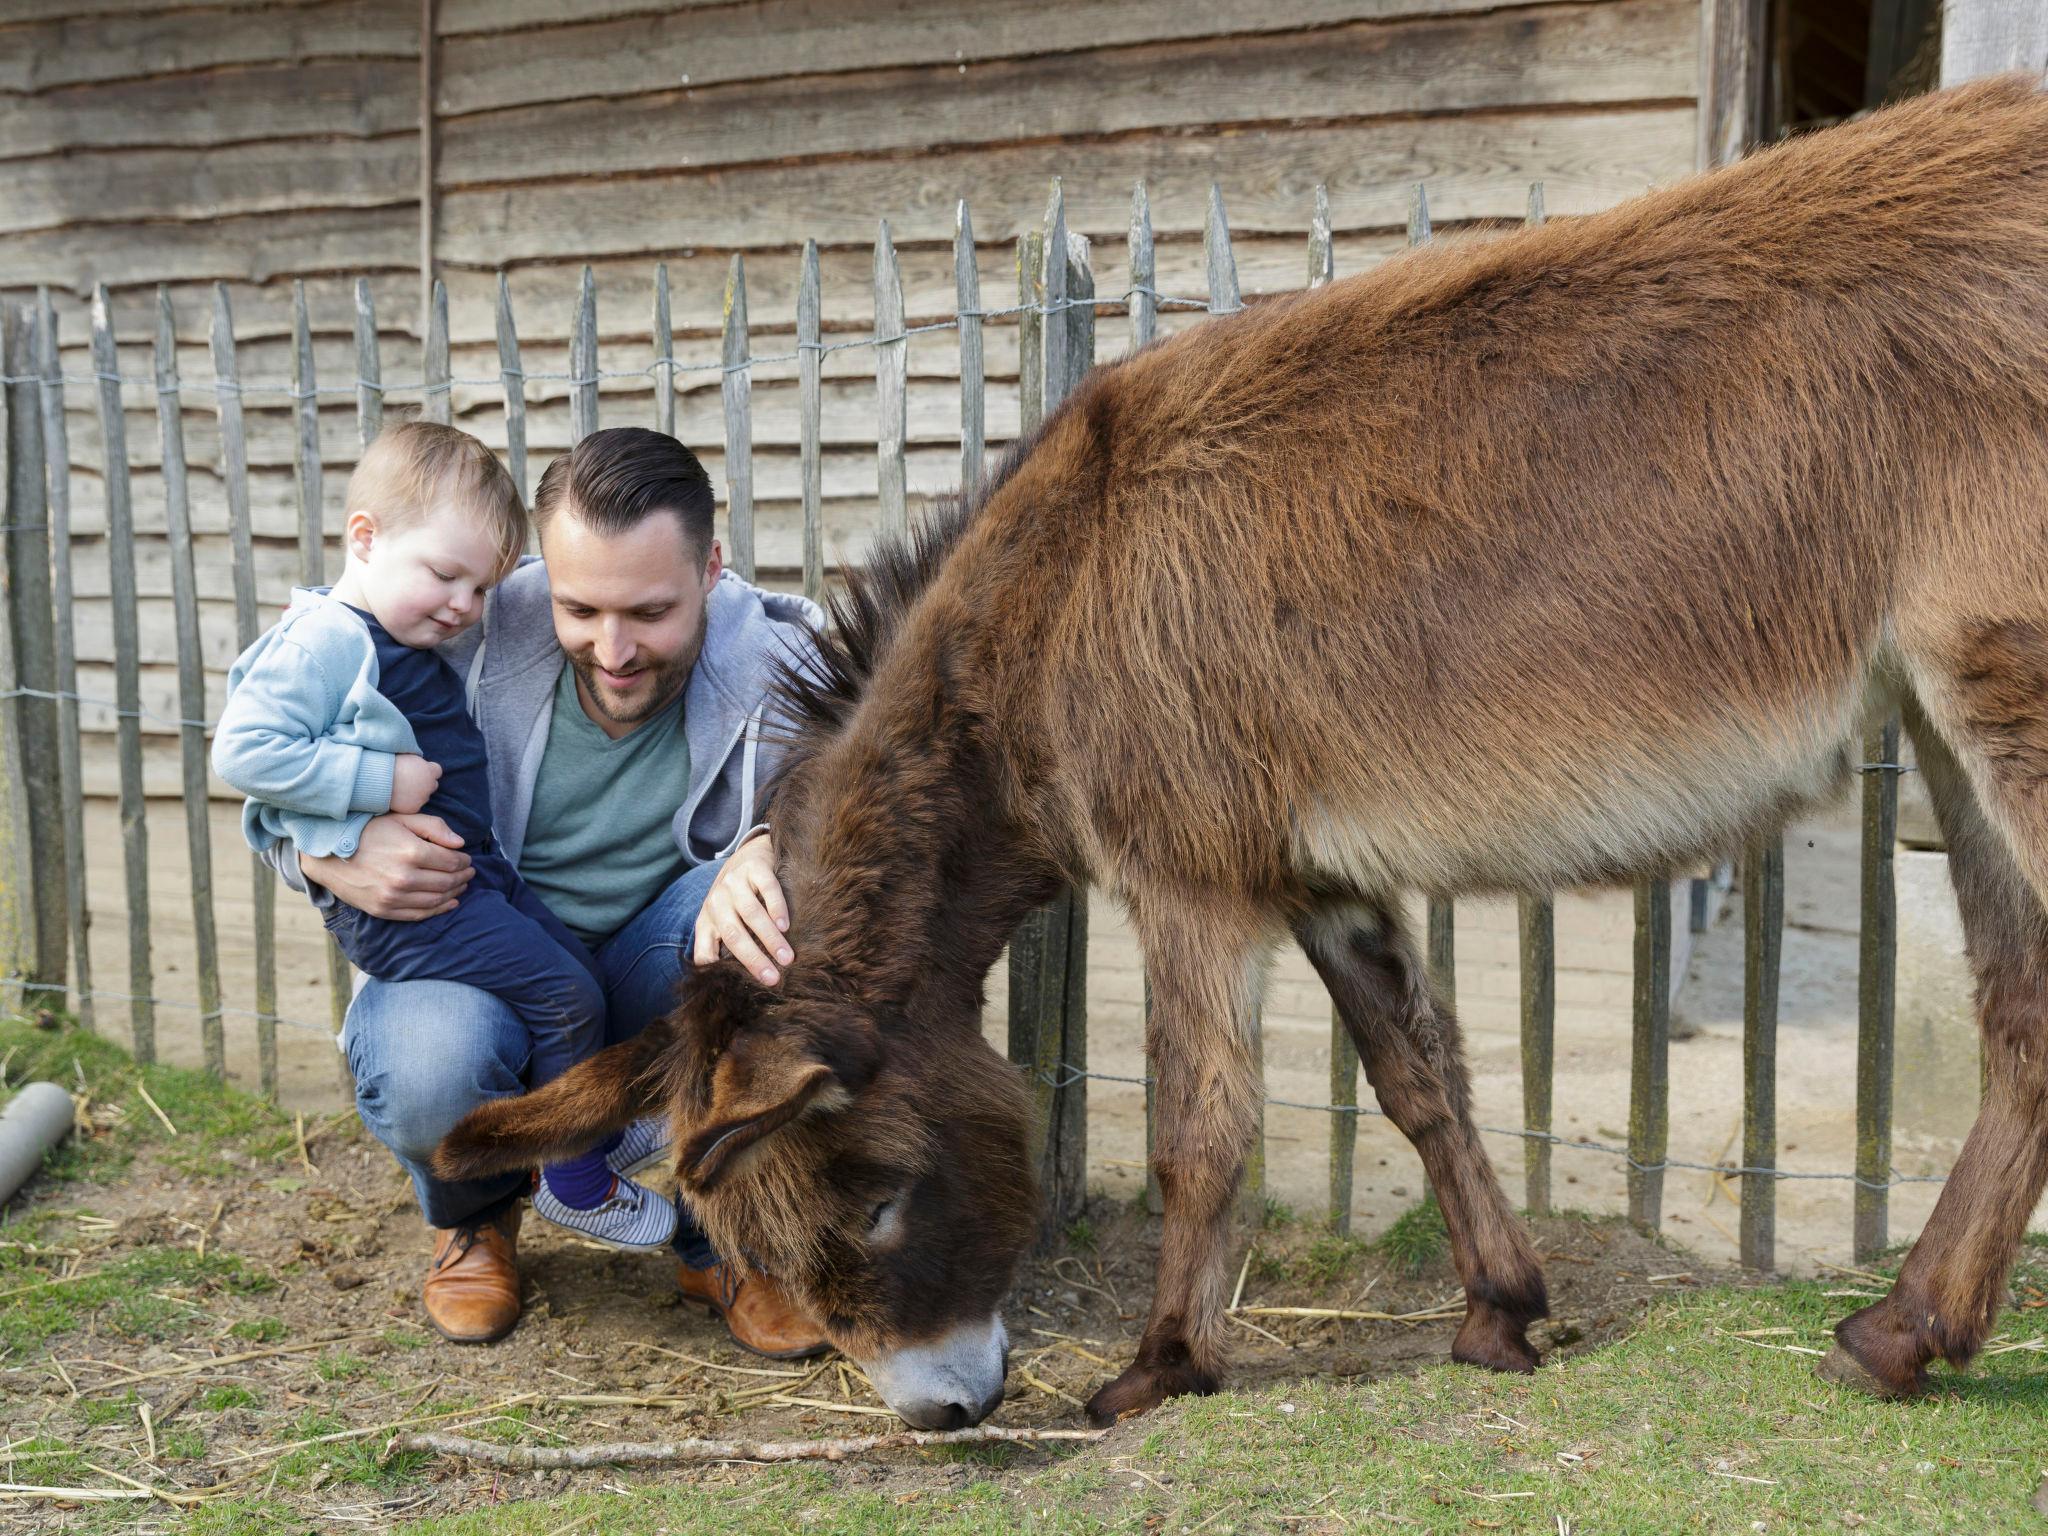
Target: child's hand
[413, 782]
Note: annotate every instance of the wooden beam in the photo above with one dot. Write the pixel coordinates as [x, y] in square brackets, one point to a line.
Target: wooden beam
[1733, 36]
[1985, 37]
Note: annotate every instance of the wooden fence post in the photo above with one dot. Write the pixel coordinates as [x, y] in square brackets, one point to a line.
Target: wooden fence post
[44, 901]
[170, 416]
[369, 369]
[1649, 1099]
[1144, 312]
[1763, 933]
[810, 410]
[512, 385]
[973, 402]
[1049, 951]
[313, 558]
[1875, 976]
[234, 472]
[1322, 268]
[106, 364]
[70, 747]
[664, 355]
[891, 383]
[735, 388]
[437, 390]
[583, 361]
[1536, 923]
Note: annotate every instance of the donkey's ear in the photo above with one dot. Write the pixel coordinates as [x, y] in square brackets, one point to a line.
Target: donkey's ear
[760, 1084]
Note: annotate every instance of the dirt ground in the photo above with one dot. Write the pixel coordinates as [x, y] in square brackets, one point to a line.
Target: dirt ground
[1816, 1055]
[606, 1350]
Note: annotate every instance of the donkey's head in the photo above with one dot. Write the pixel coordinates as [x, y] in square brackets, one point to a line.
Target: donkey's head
[880, 1175]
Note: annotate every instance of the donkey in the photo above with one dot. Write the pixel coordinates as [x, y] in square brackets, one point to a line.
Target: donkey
[1568, 557]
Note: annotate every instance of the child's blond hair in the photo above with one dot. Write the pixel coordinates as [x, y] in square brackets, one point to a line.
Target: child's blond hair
[416, 465]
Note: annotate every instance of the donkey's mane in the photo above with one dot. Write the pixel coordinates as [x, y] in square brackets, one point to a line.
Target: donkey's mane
[813, 697]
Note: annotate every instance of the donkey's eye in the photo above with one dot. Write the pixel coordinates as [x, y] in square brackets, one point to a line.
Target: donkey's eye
[878, 1213]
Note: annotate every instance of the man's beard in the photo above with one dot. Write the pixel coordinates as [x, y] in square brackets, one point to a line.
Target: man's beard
[665, 680]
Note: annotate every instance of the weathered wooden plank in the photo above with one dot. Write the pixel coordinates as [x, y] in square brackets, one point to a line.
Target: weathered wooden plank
[1224, 297]
[1649, 1099]
[77, 49]
[277, 176]
[1343, 1050]
[664, 350]
[435, 404]
[973, 382]
[1876, 976]
[1537, 923]
[17, 862]
[583, 365]
[34, 638]
[1567, 56]
[369, 368]
[891, 372]
[252, 249]
[512, 380]
[57, 468]
[736, 391]
[191, 699]
[1982, 37]
[1052, 296]
[1763, 933]
[128, 692]
[306, 456]
[337, 99]
[600, 54]
[235, 481]
[1030, 332]
[1144, 302]
[1476, 166]
[809, 362]
[1734, 37]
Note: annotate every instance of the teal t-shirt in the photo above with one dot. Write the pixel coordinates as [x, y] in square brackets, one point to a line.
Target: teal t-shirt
[599, 841]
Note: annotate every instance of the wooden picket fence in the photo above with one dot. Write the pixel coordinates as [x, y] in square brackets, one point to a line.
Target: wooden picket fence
[1057, 310]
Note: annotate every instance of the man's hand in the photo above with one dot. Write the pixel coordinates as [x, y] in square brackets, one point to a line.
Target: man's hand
[405, 868]
[745, 913]
[413, 782]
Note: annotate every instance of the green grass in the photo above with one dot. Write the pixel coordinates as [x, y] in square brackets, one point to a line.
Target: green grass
[220, 1399]
[151, 1293]
[336, 1365]
[259, 1330]
[213, 1121]
[1682, 1427]
[1417, 1237]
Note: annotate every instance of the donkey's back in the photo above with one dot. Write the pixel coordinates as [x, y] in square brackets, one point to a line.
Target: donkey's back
[1567, 554]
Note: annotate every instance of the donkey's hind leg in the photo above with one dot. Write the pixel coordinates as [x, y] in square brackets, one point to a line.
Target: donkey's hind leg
[1205, 959]
[1982, 745]
[1414, 1058]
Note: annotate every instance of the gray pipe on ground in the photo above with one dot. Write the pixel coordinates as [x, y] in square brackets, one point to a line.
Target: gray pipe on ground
[37, 1119]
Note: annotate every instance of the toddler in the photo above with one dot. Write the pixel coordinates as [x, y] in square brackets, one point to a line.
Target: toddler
[344, 711]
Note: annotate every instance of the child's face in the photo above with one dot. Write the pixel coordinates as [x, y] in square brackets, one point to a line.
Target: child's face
[426, 581]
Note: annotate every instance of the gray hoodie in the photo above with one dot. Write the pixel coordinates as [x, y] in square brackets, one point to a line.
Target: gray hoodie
[511, 663]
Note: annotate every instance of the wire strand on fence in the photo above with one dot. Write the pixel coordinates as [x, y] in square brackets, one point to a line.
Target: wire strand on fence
[102, 994]
[667, 363]
[1066, 1075]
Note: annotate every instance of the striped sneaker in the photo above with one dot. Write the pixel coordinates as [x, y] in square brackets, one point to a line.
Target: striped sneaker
[641, 1145]
[631, 1217]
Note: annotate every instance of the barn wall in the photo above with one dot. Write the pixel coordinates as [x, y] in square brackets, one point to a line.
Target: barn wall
[145, 143]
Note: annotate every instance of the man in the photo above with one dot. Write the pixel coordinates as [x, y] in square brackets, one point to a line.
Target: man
[619, 683]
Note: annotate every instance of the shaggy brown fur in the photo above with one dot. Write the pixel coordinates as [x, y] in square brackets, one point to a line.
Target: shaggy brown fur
[1566, 557]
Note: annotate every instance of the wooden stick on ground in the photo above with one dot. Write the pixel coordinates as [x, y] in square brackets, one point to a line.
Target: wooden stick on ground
[525, 1458]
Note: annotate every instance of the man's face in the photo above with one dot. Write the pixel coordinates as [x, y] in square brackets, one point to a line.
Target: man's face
[629, 611]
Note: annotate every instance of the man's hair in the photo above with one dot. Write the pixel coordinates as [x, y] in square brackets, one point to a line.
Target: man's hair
[613, 480]
[413, 467]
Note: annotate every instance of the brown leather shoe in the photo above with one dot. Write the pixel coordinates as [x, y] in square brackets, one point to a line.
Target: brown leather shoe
[757, 1314]
[472, 1289]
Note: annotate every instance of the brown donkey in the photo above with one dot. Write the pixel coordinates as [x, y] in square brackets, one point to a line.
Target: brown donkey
[1562, 558]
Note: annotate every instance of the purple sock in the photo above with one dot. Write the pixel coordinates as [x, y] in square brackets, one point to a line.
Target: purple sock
[583, 1182]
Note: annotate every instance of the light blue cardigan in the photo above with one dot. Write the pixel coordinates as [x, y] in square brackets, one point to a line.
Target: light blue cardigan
[306, 735]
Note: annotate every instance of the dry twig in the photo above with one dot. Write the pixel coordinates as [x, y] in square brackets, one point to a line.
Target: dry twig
[526, 1458]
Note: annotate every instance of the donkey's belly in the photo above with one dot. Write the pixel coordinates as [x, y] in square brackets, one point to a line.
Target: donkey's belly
[1508, 825]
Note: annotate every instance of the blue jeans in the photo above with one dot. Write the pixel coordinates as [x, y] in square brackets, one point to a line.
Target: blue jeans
[500, 937]
[425, 1053]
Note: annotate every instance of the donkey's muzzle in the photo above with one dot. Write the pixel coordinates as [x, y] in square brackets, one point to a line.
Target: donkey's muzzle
[952, 1382]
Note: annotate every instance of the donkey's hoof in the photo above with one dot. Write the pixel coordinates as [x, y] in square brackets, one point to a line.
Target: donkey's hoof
[1142, 1388]
[1845, 1370]
[1493, 1339]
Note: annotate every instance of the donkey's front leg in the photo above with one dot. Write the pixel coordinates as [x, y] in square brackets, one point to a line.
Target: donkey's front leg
[1205, 965]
